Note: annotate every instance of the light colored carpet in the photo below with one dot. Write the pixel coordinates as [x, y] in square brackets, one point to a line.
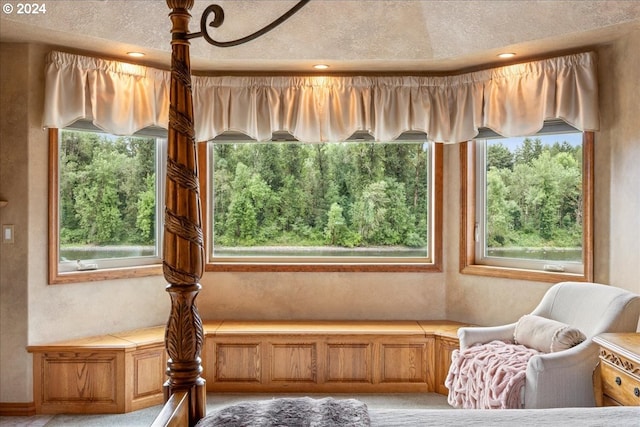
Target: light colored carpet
[144, 417]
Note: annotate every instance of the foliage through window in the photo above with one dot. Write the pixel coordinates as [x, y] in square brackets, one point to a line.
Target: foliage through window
[107, 200]
[291, 202]
[530, 210]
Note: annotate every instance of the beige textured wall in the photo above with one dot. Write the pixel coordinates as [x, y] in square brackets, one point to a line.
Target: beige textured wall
[322, 296]
[33, 312]
[15, 364]
[617, 218]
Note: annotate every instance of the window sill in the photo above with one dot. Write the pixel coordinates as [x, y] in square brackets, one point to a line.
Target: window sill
[522, 274]
[323, 268]
[106, 274]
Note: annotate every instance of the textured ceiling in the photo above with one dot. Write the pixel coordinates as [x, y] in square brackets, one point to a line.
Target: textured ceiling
[349, 35]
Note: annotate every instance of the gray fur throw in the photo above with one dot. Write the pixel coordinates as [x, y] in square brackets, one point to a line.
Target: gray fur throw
[290, 412]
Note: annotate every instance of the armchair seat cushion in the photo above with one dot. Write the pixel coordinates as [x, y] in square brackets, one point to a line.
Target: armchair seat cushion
[546, 335]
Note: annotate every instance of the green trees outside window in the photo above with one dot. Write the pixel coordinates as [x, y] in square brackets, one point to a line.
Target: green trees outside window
[360, 199]
[107, 196]
[533, 205]
[334, 199]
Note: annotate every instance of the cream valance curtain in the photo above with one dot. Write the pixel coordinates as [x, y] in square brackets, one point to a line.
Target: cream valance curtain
[118, 97]
[514, 100]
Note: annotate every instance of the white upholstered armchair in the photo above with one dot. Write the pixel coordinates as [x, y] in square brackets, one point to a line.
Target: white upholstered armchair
[564, 378]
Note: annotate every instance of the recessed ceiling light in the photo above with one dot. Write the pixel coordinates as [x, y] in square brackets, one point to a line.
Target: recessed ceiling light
[506, 55]
[136, 54]
[320, 66]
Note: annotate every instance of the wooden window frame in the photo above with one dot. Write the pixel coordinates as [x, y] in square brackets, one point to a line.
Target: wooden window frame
[57, 277]
[436, 258]
[468, 221]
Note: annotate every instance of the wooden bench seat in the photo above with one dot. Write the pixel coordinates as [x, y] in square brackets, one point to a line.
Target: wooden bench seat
[104, 374]
[329, 356]
[124, 372]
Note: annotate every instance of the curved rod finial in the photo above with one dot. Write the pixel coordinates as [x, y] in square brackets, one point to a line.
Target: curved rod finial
[218, 15]
[218, 19]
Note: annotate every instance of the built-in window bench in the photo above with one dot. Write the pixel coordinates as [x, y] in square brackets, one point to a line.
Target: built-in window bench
[114, 373]
[124, 372]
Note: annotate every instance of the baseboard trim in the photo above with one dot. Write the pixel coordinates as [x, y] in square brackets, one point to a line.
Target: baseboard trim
[21, 409]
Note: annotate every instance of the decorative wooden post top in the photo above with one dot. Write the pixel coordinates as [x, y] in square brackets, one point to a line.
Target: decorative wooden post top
[180, 18]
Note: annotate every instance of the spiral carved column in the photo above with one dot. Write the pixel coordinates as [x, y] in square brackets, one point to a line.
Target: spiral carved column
[183, 257]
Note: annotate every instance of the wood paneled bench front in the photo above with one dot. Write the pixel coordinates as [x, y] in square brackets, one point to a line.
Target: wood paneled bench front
[104, 374]
[125, 372]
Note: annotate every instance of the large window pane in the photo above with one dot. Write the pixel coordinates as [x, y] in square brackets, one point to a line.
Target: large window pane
[107, 200]
[322, 202]
[531, 204]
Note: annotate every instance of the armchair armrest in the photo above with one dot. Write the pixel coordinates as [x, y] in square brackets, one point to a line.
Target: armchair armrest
[583, 354]
[563, 378]
[480, 335]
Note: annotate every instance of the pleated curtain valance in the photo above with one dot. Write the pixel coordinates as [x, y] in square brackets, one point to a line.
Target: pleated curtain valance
[514, 100]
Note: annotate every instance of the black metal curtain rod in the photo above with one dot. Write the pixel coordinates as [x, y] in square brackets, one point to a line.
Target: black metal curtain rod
[218, 19]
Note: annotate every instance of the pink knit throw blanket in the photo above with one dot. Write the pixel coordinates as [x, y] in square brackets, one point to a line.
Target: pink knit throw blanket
[488, 376]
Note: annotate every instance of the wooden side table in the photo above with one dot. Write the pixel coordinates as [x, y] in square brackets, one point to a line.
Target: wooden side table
[617, 377]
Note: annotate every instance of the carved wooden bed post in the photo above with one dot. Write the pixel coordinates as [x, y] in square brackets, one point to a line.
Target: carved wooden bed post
[183, 255]
[183, 241]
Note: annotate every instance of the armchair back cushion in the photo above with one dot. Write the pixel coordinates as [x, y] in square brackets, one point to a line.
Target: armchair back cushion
[592, 308]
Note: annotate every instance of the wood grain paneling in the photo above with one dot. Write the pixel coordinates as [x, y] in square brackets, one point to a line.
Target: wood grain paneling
[294, 362]
[349, 363]
[148, 373]
[404, 363]
[101, 374]
[238, 362]
[91, 379]
[147, 369]
[82, 382]
[333, 356]
[445, 346]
